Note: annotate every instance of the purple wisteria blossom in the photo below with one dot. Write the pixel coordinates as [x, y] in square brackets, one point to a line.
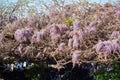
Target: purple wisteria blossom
[75, 57]
[99, 45]
[82, 35]
[55, 37]
[22, 35]
[70, 42]
[38, 36]
[106, 48]
[19, 36]
[76, 41]
[91, 28]
[76, 25]
[62, 27]
[115, 34]
[115, 45]
[61, 46]
[54, 29]
[55, 33]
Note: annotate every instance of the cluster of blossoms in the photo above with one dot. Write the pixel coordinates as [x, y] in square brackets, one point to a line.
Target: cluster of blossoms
[79, 34]
[115, 34]
[61, 46]
[106, 48]
[56, 31]
[22, 35]
[38, 36]
[75, 57]
[91, 28]
[76, 39]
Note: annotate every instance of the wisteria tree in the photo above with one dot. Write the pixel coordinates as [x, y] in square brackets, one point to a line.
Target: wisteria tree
[77, 32]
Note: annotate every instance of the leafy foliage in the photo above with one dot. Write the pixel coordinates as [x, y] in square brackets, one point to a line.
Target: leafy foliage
[109, 75]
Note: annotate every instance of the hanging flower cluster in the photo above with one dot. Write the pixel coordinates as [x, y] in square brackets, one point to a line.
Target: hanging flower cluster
[91, 28]
[76, 25]
[77, 38]
[22, 35]
[117, 12]
[106, 48]
[38, 36]
[61, 47]
[70, 42]
[76, 41]
[55, 33]
[62, 28]
[75, 57]
[115, 34]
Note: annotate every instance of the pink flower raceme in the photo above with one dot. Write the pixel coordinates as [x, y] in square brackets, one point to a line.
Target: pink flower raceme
[115, 45]
[91, 28]
[75, 57]
[54, 29]
[76, 25]
[22, 35]
[99, 45]
[105, 48]
[117, 7]
[61, 47]
[70, 33]
[115, 34]
[76, 41]
[82, 35]
[28, 32]
[54, 32]
[19, 35]
[70, 43]
[62, 27]
[44, 32]
[78, 37]
[117, 15]
[38, 36]
[55, 37]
